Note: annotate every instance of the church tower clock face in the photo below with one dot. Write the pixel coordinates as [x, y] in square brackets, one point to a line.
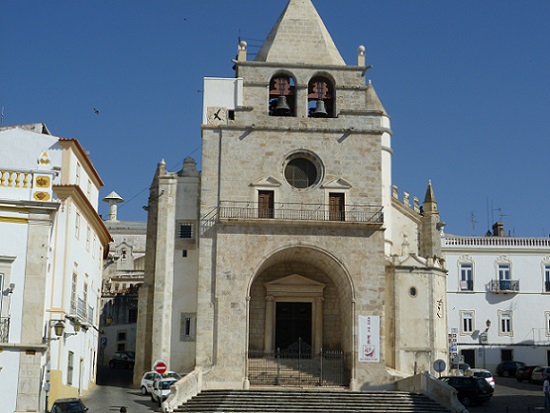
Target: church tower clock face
[303, 170]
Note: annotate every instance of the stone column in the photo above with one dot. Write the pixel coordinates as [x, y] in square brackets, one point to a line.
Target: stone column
[269, 318]
[318, 325]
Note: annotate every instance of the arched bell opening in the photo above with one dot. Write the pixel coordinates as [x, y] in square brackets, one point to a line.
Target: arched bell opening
[282, 95]
[320, 98]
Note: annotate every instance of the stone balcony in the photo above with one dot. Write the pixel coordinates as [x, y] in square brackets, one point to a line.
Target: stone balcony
[229, 211]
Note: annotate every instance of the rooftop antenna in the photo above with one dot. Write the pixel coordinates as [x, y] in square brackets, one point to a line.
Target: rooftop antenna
[500, 214]
[473, 220]
[2, 117]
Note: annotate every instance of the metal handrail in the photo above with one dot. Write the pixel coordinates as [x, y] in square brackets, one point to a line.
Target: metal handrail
[371, 214]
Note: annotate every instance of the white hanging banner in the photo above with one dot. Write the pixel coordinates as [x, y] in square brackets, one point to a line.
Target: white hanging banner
[369, 338]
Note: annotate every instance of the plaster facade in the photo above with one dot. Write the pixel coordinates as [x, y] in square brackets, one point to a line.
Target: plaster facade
[497, 291]
[52, 242]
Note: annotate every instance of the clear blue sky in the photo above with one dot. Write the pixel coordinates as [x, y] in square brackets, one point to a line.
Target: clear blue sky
[466, 83]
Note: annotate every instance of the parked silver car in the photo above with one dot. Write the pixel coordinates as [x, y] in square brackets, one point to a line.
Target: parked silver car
[161, 390]
[149, 378]
[539, 373]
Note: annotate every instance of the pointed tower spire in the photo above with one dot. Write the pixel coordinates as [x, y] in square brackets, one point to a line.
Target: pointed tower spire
[300, 36]
[430, 204]
[430, 239]
[373, 101]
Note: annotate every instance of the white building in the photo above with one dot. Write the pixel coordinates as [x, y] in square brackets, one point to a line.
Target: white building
[498, 293]
[51, 251]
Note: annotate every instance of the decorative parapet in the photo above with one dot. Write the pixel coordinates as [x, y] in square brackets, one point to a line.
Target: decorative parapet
[506, 242]
[26, 185]
[406, 199]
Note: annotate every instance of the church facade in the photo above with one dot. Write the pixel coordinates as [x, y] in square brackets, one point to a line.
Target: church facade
[292, 232]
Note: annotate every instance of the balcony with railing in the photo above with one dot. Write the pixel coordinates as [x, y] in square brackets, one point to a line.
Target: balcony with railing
[4, 329]
[503, 286]
[247, 211]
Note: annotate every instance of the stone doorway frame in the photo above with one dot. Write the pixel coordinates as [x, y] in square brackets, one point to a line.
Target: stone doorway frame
[294, 288]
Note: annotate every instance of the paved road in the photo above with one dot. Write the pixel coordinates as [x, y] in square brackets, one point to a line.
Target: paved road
[512, 397]
[115, 389]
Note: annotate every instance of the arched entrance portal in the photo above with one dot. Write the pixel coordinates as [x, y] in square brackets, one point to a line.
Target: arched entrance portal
[300, 308]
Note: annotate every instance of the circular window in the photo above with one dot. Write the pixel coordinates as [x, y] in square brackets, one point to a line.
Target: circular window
[412, 291]
[302, 170]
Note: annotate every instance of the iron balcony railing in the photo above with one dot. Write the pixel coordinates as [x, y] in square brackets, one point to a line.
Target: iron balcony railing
[242, 210]
[503, 286]
[81, 309]
[467, 285]
[4, 329]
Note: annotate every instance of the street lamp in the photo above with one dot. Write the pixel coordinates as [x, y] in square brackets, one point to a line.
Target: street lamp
[76, 329]
[483, 338]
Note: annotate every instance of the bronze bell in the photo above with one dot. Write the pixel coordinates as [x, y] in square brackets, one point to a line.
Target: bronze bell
[281, 107]
[320, 110]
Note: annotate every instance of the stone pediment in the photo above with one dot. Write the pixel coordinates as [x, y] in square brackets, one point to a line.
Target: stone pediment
[294, 284]
[267, 181]
[412, 260]
[339, 183]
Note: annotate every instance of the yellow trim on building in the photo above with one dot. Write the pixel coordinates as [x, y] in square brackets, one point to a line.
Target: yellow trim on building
[14, 220]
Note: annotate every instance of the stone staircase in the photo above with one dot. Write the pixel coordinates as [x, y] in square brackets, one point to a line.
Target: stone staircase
[309, 401]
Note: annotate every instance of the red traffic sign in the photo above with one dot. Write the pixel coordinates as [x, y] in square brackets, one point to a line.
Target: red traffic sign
[160, 366]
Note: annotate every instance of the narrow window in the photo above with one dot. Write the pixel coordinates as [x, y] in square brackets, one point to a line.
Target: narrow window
[187, 327]
[89, 190]
[466, 277]
[547, 323]
[77, 226]
[467, 322]
[547, 278]
[73, 293]
[266, 204]
[77, 173]
[70, 368]
[505, 323]
[88, 236]
[504, 277]
[337, 207]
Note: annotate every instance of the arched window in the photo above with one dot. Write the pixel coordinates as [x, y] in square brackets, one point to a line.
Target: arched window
[320, 98]
[282, 96]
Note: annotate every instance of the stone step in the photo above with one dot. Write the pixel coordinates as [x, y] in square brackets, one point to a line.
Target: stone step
[306, 401]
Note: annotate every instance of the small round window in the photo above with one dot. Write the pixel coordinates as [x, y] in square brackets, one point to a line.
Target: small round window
[413, 292]
[302, 170]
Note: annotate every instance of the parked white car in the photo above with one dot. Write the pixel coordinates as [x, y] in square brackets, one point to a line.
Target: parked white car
[486, 374]
[149, 378]
[161, 390]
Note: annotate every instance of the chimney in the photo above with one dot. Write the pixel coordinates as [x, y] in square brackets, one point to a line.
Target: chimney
[498, 229]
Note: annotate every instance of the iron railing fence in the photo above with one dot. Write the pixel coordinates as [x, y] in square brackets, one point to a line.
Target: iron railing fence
[369, 214]
[283, 368]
